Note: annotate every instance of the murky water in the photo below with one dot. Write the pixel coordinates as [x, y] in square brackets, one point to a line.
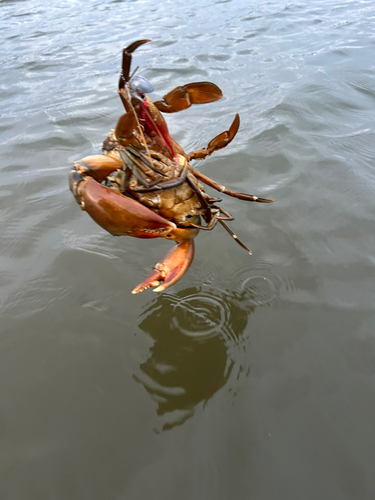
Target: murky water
[253, 377]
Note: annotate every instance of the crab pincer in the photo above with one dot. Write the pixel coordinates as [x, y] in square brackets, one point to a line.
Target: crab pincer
[170, 269]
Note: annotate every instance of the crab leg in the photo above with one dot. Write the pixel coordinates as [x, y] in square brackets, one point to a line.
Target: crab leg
[97, 166]
[235, 237]
[144, 159]
[241, 196]
[170, 269]
[170, 183]
[129, 164]
[220, 141]
[212, 223]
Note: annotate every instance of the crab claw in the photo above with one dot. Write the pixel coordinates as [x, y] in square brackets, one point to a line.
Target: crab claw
[116, 213]
[220, 141]
[126, 61]
[170, 269]
[184, 96]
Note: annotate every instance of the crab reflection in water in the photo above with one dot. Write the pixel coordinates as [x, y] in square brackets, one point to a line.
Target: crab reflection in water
[188, 365]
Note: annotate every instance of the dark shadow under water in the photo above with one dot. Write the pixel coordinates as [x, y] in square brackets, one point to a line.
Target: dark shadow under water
[189, 364]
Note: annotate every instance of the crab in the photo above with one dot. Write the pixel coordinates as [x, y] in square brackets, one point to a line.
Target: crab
[143, 184]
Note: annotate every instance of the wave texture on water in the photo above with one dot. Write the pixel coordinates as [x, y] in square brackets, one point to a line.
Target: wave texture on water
[297, 318]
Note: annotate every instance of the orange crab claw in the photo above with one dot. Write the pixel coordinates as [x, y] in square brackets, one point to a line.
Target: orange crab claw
[220, 141]
[116, 213]
[184, 96]
[170, 269]
[223, 139]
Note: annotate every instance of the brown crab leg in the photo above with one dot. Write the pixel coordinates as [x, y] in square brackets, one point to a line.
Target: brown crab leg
[170, 183]
[138, 164]
[204, 203]
[97, 166]
[227, 216]
[241, 196]
[141, 157]
[212, 223]
[170, 269]
[235, 237]
[131, 165]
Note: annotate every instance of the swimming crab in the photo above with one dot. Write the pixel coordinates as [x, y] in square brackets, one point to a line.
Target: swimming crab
[143, 184]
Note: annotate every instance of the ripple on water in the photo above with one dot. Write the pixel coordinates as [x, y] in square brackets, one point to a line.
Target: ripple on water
[201, 315]
[259, 284]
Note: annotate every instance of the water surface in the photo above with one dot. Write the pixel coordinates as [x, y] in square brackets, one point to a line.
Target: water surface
[253, 377]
